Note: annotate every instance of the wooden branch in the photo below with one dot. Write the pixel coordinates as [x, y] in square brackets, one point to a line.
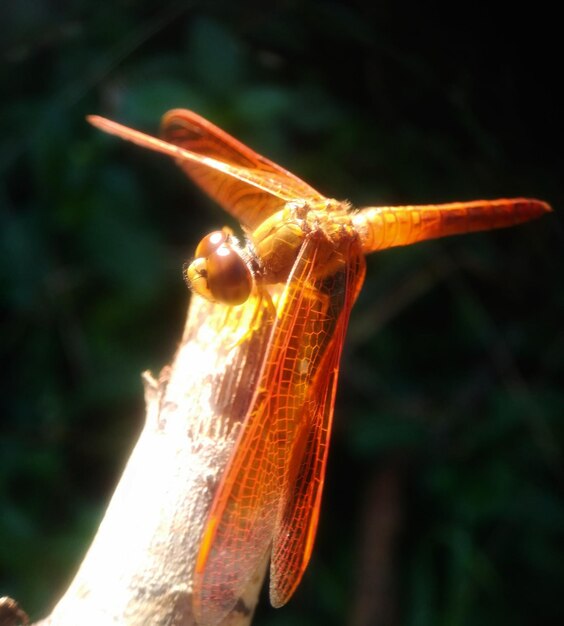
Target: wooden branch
[139, 568]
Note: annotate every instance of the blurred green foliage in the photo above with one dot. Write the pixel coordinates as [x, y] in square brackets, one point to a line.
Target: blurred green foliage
[452, 378]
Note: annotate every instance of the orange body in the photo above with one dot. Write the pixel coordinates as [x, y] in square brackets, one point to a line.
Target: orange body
[301, 272]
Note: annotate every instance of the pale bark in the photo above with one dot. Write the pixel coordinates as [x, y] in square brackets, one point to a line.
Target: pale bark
[139, 568]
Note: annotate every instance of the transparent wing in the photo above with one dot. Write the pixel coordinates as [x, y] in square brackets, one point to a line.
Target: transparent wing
[289, 419]
[247, 185]
[251, 204]
[297, 521]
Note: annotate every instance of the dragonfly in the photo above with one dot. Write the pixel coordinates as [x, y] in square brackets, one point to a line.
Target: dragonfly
[296, 274]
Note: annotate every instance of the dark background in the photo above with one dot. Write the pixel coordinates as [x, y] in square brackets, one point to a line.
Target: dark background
[444, 500]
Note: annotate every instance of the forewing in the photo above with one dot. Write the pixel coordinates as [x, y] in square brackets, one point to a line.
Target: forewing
[254, 500]
[297, 520]
[252, 198]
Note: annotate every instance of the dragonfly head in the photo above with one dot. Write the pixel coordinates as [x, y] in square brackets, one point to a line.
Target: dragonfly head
[220, 272]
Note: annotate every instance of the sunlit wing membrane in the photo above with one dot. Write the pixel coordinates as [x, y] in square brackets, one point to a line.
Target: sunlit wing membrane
[235, 188]
[250, 506]
[250, 204]
[297, 519]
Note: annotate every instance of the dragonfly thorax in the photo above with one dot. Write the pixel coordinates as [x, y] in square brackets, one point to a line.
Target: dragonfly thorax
[278, 240]
[225, 272]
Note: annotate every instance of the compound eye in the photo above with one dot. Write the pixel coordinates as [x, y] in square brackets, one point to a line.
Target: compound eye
[229, 278]
[222, 277]
[196, 277]
[210, 243]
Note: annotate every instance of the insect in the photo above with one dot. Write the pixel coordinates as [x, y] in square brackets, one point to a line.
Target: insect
[299, 273]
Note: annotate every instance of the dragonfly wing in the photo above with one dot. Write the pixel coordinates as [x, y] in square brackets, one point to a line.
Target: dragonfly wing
[250, 203]
[251, 506]
[240, 526]
[297, 520]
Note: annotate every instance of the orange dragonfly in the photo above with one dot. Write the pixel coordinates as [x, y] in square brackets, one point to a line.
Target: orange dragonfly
[299, 273]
